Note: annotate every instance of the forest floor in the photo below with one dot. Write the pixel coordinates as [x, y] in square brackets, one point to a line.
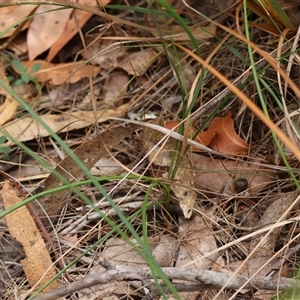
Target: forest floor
[157, 151]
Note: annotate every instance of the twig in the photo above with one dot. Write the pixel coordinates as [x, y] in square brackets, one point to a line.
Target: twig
[283, 261]
[154, 292]
[204, 279]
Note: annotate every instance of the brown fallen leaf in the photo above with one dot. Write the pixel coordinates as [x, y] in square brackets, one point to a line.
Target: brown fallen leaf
[9, 107]
[214, 175]
[115, 87]
[60, 73]
[225, 138]
[11, 15]
[183, 186]
[165, 251]
[220, 136]
[25, 129]
[120, 251]
[196, 241]
[138, 63]
[46, 28]
[37, 265]
[77, 20]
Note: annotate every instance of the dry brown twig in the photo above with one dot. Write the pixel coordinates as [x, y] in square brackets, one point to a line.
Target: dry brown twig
[201, 279]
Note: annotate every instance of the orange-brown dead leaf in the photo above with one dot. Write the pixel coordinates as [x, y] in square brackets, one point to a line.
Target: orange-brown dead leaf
[46, 28]
[78, 19]
[225, 138]
[37, 265]
[220, 136]
[61, 73]
[11, 15]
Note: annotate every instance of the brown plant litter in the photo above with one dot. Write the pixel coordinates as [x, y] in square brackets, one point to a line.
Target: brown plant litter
[188, 189]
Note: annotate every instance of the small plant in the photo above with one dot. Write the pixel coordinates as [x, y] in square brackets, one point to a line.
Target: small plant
[3, 148]
[26, 76]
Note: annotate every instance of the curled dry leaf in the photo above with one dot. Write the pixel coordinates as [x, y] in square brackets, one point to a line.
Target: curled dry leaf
[220, 136]
[216, 175]
[225, 138]
[46, 28]
[61, 73]
[37, 265]
[183, 186]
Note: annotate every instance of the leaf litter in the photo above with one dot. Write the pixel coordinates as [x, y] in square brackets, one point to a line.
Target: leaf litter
[210, 200]
[37, 265]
